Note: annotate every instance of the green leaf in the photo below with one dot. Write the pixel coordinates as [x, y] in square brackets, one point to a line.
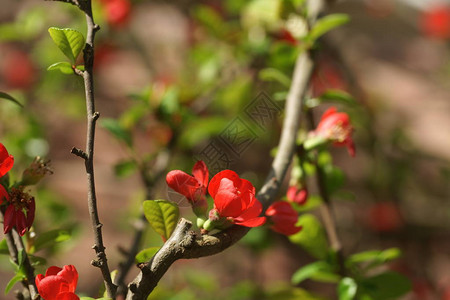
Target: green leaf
[63, 66]
[374, 257]
[162, 216]
[146, 254]
[272, 74]
[4, 247]
[319, 271]
[347, 288]
[114, 127]
[312, 237]
[12, 282]
[327, 23]
[125, 168]
[50, 238]
[388, 285]
[339, 97]
[36, 260]
[68, 40]
[10, 98]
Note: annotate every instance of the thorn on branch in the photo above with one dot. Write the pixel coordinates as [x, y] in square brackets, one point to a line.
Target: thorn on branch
[99, 225]
[95, 116]
[96, 27]
[80, 153]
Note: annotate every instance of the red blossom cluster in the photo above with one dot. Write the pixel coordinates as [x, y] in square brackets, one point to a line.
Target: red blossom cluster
[20, 209]
[117, 12]
[58, 284]
[234, 198]
[435, 22]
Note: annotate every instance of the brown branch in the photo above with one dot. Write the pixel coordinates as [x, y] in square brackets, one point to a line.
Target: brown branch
[15, 245]
[88, 155]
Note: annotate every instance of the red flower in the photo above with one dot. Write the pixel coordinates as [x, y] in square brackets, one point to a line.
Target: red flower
[18, 70]
[6, 160]
[117, 12]
[297, 195]
[283, 218]
[20, 211]
[335, 126]
[234, 199]
[3, 194]
[435, 23]
[192, 187]
[58, 284]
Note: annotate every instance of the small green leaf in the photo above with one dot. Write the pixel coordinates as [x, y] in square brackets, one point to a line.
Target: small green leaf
[312, 237]
[146, 254]
[63, 66]
[327, 23]
[347, 288]
[68, 40]
[388, 285]
[338, 96]
[12, 282]
[36, 260]
[272, 74]
[162, 216]
[374, 257]
[319, 271]
[10, 98]
[50, 238]
[114, 127]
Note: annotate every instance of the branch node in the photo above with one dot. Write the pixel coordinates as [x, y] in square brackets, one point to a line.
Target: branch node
[78, 152]
[99, 225]
[96, 263]
[96, 27]
[95, 116]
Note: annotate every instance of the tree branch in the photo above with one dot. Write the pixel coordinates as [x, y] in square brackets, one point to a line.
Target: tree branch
[88, 155]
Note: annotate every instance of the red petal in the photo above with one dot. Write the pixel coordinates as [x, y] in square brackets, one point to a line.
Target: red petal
[332, 110]
[21, 222]
[286, 229]
[201, 173]
[227, 201]
[50, 286]
[6, 160]
[70, 275]
[252, 222]
[252, 211]
[3, 194]
[31, 213]
[215, 181]
[8, 219]
[53, 270]
[183, 183]
[68, 296]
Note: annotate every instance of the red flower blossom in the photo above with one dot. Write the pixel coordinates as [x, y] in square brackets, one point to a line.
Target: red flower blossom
[297, 195]
[117, 12]
[18, 70]
[283, 218]
[6, 160]
[327, 76]
[435, 23]
[3, 194]
[192, 187]
[58, 284]
[335, 126]
[234, 200]
[20, 211]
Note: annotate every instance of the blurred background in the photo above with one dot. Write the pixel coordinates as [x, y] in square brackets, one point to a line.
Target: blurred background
[171, 76]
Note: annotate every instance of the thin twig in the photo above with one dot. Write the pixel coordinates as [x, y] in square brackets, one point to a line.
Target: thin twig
[88, 155]
[15, 245]
[326, 210]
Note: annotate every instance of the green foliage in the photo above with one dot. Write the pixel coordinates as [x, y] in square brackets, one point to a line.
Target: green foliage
[146, 254]
[318, 271]
[51, 238]
[63, 66]
[162, 216]
[312, 237]
[68, 40]
[373, 258]
[10, 98]
[384, 286]
[272, 74]
[327, 23]
[347, 288]
[117, 130]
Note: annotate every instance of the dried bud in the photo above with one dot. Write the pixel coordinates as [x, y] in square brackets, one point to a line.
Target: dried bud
[36, 171]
